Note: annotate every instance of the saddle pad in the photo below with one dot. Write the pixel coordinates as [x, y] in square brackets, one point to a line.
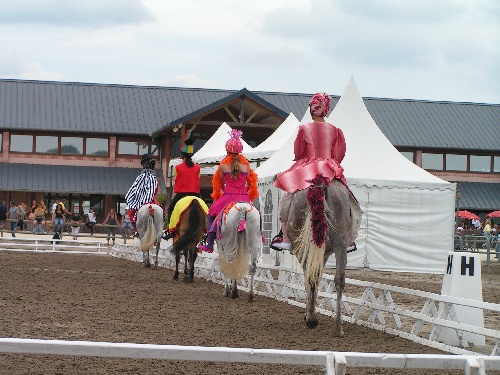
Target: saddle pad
[181, 206]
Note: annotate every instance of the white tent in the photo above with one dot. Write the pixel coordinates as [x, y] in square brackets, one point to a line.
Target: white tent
[408, 214]
[276, 140]
[214, 150]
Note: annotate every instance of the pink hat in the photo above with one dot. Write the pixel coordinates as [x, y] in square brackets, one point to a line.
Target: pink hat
[320, 104]
[234, 145]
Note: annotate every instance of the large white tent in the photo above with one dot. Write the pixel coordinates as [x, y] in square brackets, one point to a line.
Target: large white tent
[275, 141]
[408, 214]
[214, 150]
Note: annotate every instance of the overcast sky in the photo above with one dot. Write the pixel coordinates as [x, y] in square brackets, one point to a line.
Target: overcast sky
[419, 49]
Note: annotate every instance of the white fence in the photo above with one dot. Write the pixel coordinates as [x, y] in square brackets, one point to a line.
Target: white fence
[48, 244]
[334, 363]
[411, 314]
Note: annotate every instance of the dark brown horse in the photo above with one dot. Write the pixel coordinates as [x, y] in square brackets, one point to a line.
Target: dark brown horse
[321, 221]
[188, 233]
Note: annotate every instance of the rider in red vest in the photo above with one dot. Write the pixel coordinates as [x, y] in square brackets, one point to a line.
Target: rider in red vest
[187, 178]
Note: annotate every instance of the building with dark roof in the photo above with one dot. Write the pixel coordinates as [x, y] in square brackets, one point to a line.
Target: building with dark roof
[84, 141]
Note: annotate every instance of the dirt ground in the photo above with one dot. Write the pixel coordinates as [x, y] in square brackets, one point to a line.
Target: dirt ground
[101, 298]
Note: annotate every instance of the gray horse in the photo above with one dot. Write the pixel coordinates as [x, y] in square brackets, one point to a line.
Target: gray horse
[321, 220]
[150, 227]
[239, 247]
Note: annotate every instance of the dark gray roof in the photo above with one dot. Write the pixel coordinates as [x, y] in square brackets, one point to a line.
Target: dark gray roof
[479, 196]
[140, 110]
[70, 179]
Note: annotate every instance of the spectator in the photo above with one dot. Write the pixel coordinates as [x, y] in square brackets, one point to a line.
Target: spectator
[58, 201]
[91, 220]
[487, 234]
[58, 219]
[34, 205]
[76, 220]
[111, 219]
[476, 223]
[495, 232]
[126, 223]
[13, 215]
[39, 222]
[3, 213]
[23, 210]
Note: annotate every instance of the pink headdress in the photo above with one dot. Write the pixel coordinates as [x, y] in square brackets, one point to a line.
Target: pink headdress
[320, 104]
[234, 145]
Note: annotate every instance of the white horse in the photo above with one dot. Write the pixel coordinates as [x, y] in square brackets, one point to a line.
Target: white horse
[239, 247]
[150, 227]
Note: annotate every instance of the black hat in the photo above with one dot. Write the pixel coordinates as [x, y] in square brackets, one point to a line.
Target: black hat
[146, 157]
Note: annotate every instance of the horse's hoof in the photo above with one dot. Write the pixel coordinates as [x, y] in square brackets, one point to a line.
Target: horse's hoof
[235, 295]
[148, 265]
[339, 334]
[311, 324]
[251, 298]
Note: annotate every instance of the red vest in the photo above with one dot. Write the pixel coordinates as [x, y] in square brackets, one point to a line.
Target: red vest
[187, 179]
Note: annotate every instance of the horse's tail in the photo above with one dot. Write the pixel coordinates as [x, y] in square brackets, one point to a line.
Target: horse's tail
[234, 260]
[196, 221]
[312, 253]
[149, 237]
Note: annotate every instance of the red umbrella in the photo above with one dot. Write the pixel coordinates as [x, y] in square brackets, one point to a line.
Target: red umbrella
[494, 214]
[464, 214]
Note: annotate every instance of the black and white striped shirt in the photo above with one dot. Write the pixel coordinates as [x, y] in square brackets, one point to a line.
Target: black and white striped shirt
[142, 190]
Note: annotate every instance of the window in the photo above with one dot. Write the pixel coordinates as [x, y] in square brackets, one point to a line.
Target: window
[72, 145]
[21, 143]
[46, 144]
[1, 141]
[456, 162]
[432, 161]
[480, 163]
[97, 146]
[137, 148]
[408, 155]
[496, 164]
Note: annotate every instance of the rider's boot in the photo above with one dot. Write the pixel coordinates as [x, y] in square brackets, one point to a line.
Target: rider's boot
[280, 241]
[208, 246]
[352, 247]
[167, 235]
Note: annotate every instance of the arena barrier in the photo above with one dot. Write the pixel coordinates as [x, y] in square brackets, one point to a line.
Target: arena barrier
[334, 363]
[48, 244]
[375, 305]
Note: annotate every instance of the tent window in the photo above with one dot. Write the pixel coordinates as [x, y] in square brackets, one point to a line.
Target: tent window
[456, 162]
[432, 161]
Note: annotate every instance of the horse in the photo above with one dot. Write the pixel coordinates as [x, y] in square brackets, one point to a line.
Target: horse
[150, 227]
[189, 233]
[321, 220]
[239, 246]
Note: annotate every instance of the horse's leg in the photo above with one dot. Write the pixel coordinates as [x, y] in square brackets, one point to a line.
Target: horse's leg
[186, 261]
[234, 289]
[310, 318]
[157, 252]
[177, 260]
[253, 267]
[339, 285]
[148, 263]
[145, 259]
[193, 256]
[227, 287]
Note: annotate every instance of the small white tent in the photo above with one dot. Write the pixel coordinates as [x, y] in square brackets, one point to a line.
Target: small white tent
[276, 140]
[214, 150]
[408, 213]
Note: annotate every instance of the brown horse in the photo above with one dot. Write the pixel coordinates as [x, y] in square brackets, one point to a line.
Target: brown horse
[189, 232]
[321, 221]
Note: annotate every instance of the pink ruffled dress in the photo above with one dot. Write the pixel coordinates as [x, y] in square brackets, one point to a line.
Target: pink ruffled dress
[319, 148]
[234, 191]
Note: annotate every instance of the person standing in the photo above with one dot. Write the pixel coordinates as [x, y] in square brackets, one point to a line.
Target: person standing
[76, 220]
[23, 209]
[233, 181]
[126, 224]
[13, 215]
[487, 234]
[187, 179]
[111, 219]
[144, 188]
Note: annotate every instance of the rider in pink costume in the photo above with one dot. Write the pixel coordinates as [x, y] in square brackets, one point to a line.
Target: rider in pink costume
[319, 148]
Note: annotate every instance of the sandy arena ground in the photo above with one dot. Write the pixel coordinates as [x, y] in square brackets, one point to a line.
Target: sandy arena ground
[101, 298]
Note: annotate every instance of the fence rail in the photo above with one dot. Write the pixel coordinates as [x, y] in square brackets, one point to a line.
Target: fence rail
[46, 244]
[334, 363]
